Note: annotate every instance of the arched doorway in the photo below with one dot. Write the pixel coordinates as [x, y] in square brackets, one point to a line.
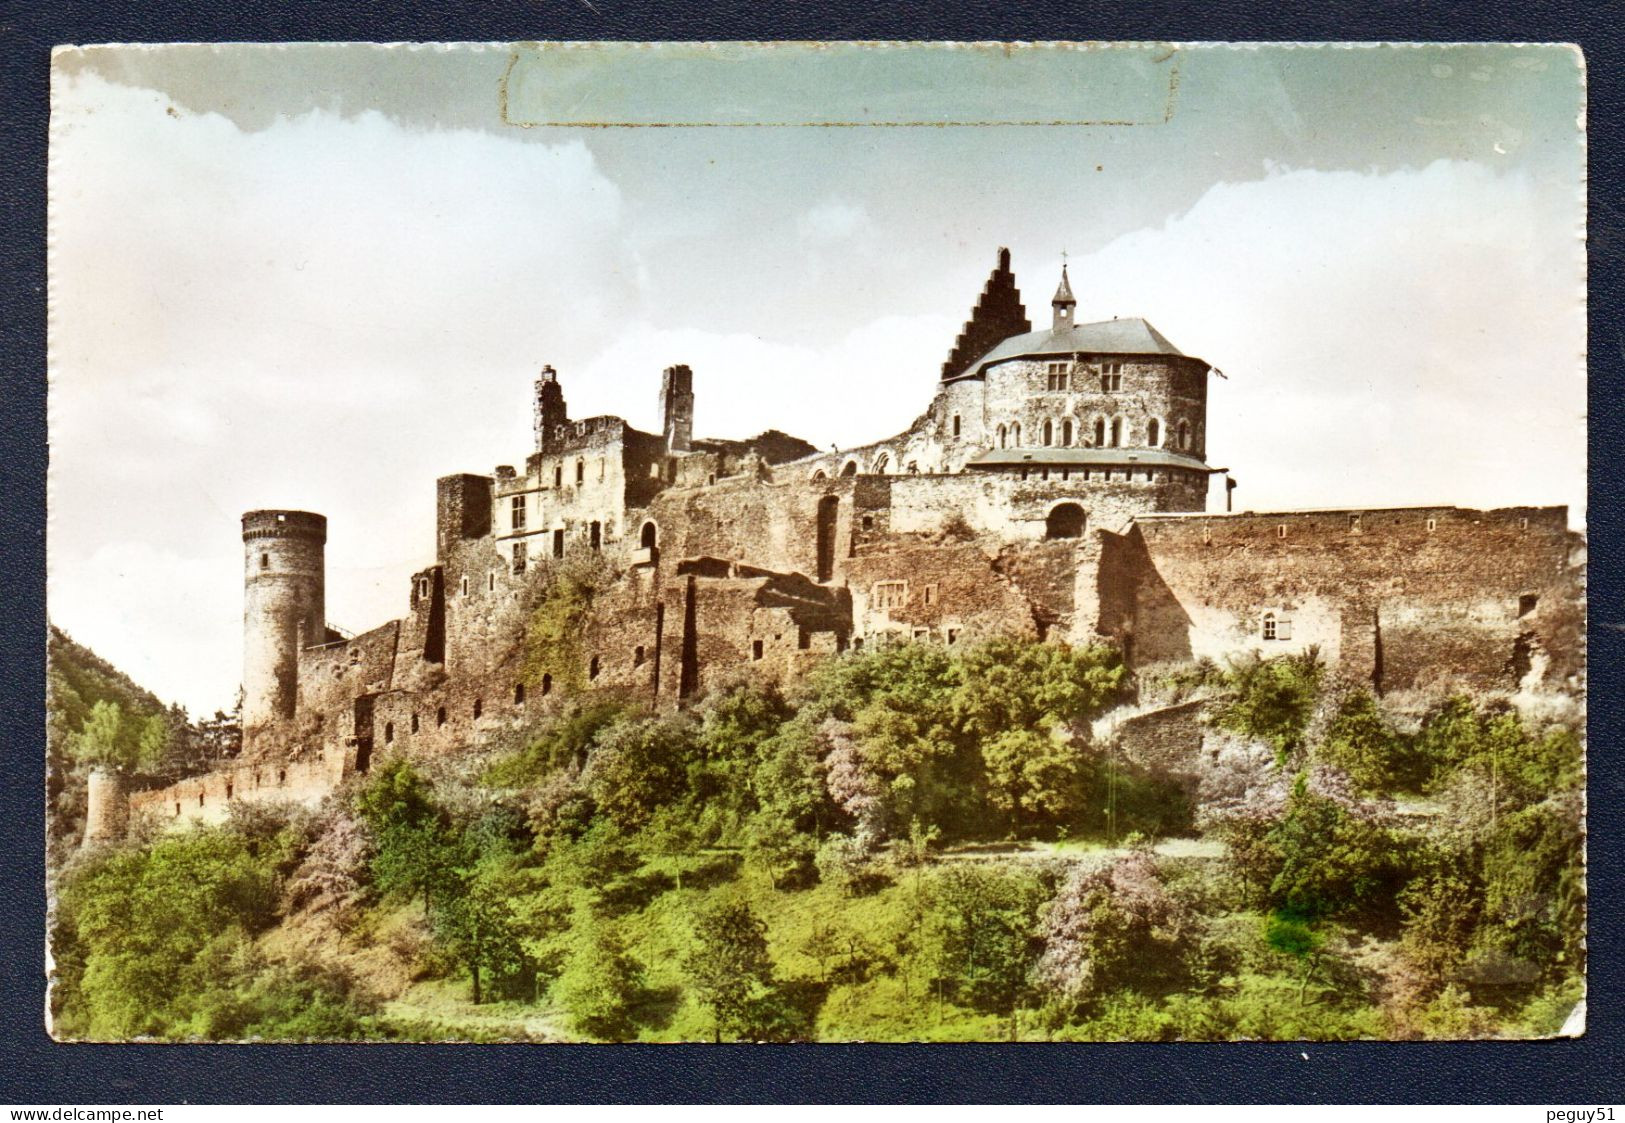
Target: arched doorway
[1065, 521]
[828, 511]
[648, 537]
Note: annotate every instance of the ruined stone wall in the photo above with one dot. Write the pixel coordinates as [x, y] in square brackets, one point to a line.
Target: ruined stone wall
[208, 798]
[1401, 598]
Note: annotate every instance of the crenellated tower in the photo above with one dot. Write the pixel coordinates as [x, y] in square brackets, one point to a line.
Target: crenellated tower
[284, 590]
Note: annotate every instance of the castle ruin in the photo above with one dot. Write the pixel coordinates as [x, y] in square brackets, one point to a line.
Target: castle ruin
[1055, 488]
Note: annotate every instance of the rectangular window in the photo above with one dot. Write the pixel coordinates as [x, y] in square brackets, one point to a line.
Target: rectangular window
[755, 649]
[1111, 377]
[953, 635]
[931, 594]
[890, 594]
[517, 508]
[519, 557]
[1057, 376]
[558, 543]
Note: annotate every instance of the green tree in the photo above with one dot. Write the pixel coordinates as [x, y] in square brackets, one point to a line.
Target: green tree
[1272, 699]
[637, 766]
[1361, 742]
[1332, 862]
[477, 925]
[1441, 910]
[730, 968]
[984, 935]
[600, 984]
[140, 917]
[1034, 778]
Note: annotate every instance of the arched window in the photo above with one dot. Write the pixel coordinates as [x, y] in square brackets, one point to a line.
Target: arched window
[1269, 625]
[1184, 435]
[850, 468]
[1065, 521]
[1049, 433]
[1153, 433]
[880, 463]
[1117, 431]
[1100, 432]
[1066, 432]
[1015, 435]
[1002, 435]
[819, 475]
[648, 536]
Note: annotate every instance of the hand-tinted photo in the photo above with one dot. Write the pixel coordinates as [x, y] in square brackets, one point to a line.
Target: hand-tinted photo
[814, 542]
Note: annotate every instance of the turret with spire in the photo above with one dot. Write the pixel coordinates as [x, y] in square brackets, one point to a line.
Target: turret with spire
[1063, 304]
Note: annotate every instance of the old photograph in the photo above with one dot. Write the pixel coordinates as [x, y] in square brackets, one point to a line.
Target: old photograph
[603, 542]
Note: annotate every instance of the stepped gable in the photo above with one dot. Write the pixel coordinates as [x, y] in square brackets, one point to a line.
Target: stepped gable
[998, 315]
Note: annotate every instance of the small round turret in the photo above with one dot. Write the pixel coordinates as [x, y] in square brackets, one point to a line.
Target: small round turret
[284, 589]
[107, 806]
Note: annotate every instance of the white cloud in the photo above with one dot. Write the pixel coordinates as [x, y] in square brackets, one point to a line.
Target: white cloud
[321, 315]
[1410, 337]
[833, 220]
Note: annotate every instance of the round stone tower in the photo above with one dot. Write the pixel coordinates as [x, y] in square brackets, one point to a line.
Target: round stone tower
[107, 806]
[284, 580]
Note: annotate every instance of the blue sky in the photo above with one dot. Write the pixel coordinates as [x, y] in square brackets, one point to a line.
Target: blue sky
[320, 277]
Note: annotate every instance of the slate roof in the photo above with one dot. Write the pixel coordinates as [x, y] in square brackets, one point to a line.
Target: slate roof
[1132, 336]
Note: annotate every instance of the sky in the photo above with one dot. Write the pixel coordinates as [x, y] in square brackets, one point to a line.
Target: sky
[319, 277]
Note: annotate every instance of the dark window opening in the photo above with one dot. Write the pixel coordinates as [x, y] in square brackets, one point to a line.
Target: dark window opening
[265, 561]
[581, 472]
[519, 694]
[547, 685]
[637, 656]
[595, 535]
[520, 551]
[363, 756]
[756, 649]
[647, 538]
[592, 668]
[1049, 433]
[956, 424]
[479, 708]
[177, 810]
[868, 522]
[414, 723]
[389, 732]
[1100, 432]
[1527, 603]
[517, 512]
[558, 476]
[1066, 433]
[1065, 521]
[1117, 431]
[953, 635]
[558, 543]
[440, 716]
[228, 791]
[1153, 432]
[803, 639]
[851, 468]
[282, 777]
[200, 799]
[828, 510]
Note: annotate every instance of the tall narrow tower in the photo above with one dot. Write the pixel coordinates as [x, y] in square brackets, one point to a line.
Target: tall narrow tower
[551, 412]
[1063, 305]
[284, 586]
[677, 408]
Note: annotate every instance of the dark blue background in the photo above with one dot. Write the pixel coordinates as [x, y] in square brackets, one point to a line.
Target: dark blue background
[34, 1070]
